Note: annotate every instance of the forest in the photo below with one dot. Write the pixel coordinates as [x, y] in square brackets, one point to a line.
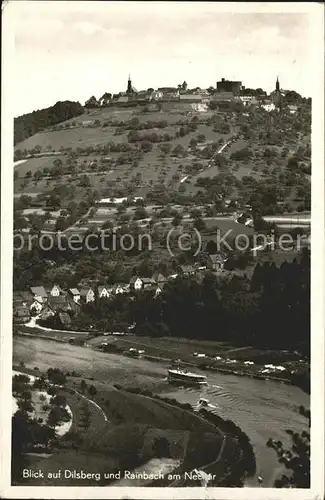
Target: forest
[27, 125]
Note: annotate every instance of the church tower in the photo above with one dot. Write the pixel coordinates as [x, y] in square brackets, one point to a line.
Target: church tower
[277, 85]
[129, 88]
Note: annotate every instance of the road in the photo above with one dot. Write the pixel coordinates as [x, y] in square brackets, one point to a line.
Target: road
[263, 409]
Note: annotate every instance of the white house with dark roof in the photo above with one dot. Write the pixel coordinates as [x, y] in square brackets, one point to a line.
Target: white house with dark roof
[118, 288]
[54, 291]
[103, 292]
[135, 283]
[87, 295]
[74, 294]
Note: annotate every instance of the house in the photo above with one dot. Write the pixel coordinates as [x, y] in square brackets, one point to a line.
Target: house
[160, 279]
[268, 106]
[135, 283]
[143, 95]
[21, 314]
[103, 292]
[118, 288]
[36, 306]
[54, 291]
[87, 295]
[74, 294]
[215, 262]
[147, 283]
[223, 97]
[169, 92]
[190, 97]
[46, 313]
[293, 108]
[39, 293]
[186, 269]
[157, 94]
[122, 99]
[74, 306]
[26, 296]
[59, 303]
[248, 100]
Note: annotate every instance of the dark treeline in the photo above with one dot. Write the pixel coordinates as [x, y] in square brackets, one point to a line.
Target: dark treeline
[273, 313]
[27, 125]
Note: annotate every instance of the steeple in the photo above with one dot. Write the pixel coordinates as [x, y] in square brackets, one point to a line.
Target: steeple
[129, 87]
[277, 85]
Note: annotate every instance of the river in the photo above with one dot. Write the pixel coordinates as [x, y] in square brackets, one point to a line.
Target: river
[261, 408]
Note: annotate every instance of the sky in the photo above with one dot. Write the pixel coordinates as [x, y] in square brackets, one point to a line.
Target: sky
[72, 50]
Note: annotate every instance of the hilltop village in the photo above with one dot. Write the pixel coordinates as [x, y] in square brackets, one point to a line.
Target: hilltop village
[224, 91]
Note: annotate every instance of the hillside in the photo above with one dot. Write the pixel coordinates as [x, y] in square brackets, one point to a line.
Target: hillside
[31, 123]
[169, 154]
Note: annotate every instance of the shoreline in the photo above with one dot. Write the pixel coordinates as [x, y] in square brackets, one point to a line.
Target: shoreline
[155, 359]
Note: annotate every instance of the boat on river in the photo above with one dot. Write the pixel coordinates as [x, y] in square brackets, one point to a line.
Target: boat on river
[182, 376]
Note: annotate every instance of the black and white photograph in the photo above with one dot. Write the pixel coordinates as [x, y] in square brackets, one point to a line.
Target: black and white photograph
[162, 331]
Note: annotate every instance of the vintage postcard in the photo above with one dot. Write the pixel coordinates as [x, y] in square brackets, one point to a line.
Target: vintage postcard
[162, 300]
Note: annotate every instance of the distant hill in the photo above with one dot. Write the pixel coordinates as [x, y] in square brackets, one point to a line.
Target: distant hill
[27, 125]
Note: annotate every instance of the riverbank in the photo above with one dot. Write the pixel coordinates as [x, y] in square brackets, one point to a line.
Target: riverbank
[228, 362]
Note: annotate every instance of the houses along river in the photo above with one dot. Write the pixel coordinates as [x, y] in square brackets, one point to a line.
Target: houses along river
[261, 408]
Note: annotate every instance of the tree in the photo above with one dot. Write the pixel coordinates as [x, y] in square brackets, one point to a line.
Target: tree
[296, 459]
[199, 224]
[84, 181]
[177, 220]
[54, 417]
[28, 174]
[140, 213]
[55, 376]
[83, 386]
[61, 224]
[92, 391]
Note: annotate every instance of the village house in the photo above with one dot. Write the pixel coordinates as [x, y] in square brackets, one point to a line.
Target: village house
[59, 303]
[46, 313]
[118, 288]
[26, 295]
[135, 283]
[215, 262]
[186, 269]
[160, 279]
[147, 283]
[54, 291]
[143, 95]
[191, 98]
[103, 292]
[87, 295]
[36, 306]
[122, 99]
[157, 94]
[293, 108]
[74, 294]
[39, 293]
[21, 314]
[169, 92]
[268, 106]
